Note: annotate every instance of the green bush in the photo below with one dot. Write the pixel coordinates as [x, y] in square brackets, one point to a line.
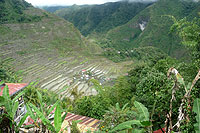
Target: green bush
[91, 106]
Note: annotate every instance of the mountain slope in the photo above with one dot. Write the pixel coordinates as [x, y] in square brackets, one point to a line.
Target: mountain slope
[52, 9]
[101, 18]
[151, 27]
[52, 53]
[123, 26]
[12, 11]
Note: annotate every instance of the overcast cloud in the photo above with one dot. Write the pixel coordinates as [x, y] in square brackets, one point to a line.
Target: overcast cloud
[71, 2]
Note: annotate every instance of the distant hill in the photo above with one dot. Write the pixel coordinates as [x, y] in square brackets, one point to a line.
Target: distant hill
[52, 9]
[124, 25]
[151, 27]
[101, 18]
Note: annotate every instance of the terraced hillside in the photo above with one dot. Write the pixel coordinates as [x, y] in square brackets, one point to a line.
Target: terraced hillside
[53, 53]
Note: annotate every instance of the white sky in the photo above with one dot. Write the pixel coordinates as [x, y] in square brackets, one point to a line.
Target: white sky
[78, 2]
[67, 2]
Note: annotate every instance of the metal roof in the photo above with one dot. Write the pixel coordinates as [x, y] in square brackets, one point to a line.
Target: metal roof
[13, 88]
[86, 123]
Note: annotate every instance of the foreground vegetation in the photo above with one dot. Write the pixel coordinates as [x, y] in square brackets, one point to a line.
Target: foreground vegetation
[117, 106]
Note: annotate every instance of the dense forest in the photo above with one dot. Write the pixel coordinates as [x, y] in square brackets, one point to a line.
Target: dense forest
[12, 11]
[101, 18]
[118, 26]
[158, 91]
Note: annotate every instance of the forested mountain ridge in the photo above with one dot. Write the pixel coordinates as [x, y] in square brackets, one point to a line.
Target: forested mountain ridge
[131, 25]
[12, 11]
[151, 27]
[52, 9]
[101, 18]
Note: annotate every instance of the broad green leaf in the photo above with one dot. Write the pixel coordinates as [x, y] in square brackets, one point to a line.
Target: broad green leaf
[57, 118]
[32, 115]
[1, 83]
[14, 109]
[52, 108]
[124, 107]
[22, 120]
[2, 100]
[138, 131]
[43, 108]
[6, 96]
[6, 92]
[40, 100]
[118, 107]
[196, 109]
[35, 83]
[188, 86]
[146, 123]
[126, 125]
[142, 111]
[40, 115]
[180, 80]
[32, 83]
[39, 96]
